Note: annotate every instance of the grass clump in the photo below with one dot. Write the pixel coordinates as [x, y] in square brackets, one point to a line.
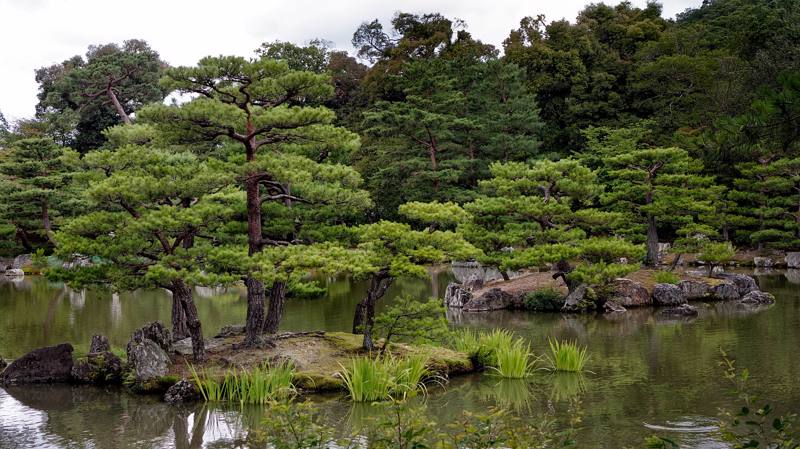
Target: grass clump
[261, 385]
[514, 361]
[383, 378]
[545, 300]
[567, 356]
[666, 277]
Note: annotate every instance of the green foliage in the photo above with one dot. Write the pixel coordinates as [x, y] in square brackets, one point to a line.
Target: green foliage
[567, 356]
[514, 361]
[260, 385]
[545, 300]
[412, 321]
[665, 277]
[716, 254]
[384, 378]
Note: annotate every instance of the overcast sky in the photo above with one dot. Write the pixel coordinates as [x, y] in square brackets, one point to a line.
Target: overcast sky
[35, 33]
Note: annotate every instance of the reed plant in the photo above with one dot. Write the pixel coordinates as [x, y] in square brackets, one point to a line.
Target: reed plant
[567, 356]
[383, 378]
[514, 360]
[260, 385]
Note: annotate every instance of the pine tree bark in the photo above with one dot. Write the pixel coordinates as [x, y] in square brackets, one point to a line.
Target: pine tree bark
[651, 259]
[364, 317]
[184, 294]
[179, 328]
[277, 300]
[120, 110]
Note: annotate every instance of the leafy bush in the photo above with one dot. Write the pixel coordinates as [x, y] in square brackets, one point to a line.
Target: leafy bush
[567, 356]
[545, 300]
[716, 254]
[412, 321]
[666, 277]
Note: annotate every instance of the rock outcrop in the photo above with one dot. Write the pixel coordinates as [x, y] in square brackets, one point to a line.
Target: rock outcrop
[456, 295]
[628, 293]
[667, 295]
[758, 297]
[725, 291]
[693, 290]
[683, 310]
[181, 391]
[43, 365]
[792, 260]
[147, 352]
[744, 284]
[99, 344]
[492, 299]
[577, 299]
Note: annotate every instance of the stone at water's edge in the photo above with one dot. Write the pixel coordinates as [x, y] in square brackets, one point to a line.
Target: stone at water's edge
[668, 295]
[612, 306]
[681, 310]
[155, 332]
[43, 365]
[99, 344]
[22, 261]
[744, 284]
[575, 299]
[456, 296]
[182, 391]
[758, 298]
[148, 360]
[98, 368]
[14, 272]
[763, 262]
[492, 299]
[628, 293]
[693, 289]
[725, 292]
[792, 260]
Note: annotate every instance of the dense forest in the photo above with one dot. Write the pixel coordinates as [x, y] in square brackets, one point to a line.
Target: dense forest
[579, 143]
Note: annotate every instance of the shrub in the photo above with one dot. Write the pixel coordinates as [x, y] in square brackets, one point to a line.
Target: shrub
[545, 300]
[514, 361]
[666, 277]
[567, 356]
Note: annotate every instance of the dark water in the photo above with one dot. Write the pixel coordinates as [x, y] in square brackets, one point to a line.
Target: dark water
[649, 375]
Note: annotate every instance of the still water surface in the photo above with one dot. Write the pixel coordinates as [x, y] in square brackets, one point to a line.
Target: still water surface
[650, 375]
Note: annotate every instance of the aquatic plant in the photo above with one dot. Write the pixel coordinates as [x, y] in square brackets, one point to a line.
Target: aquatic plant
[514, 360]
[567, 356]
[382, 378]
[260, 385]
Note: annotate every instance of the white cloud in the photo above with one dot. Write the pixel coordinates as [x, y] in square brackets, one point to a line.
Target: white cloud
[36, 33]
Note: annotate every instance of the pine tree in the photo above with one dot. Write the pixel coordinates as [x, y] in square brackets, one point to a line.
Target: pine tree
[259, 106]
[36, 186]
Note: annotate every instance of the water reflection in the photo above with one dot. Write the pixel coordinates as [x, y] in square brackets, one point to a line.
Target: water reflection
[646, 369]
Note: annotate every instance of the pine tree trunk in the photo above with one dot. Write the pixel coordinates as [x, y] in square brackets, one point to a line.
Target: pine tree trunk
[48, 229]
[364, 317]
[184, 293]
[277, 299]
[254, 326]
[179, 328]
[120, 110]
[651, 259]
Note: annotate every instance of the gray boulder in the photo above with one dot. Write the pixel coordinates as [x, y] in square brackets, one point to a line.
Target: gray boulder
[182, 391]
[758, 298]
[14, 272]
[744, 284]
[612, 306]
[792, 260]
[792, 275]
[492, 299]
[725, 291]
[667, 295]
[155, 332]
[22, 261]
[98, 368]
[147, 359]
[455, 295]
[473, 283]
[681, 310]
[99, 344]
[628, 293]
[43, 365]
[763, 262]
[577, 300]
[693, 290]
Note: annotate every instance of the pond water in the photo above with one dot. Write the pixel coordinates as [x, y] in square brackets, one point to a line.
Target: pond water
[650, 375]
